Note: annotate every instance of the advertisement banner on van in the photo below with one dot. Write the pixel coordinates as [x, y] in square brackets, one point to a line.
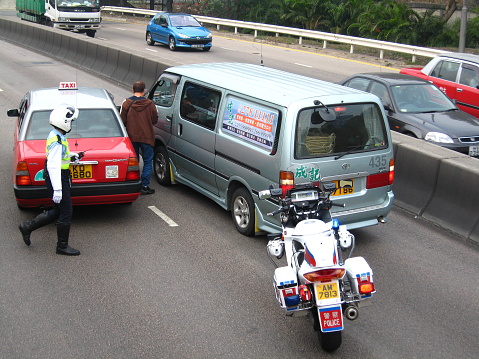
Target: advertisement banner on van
[251, 121]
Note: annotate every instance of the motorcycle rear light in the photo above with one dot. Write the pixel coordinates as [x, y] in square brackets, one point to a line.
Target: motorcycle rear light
[286, 181]
[22, 174]
[324, 275]
[366, 287]
[381, 179]
[133, 171]
[305, 293]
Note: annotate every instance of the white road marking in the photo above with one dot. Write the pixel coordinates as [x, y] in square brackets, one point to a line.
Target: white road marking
[163, 216]
[102, 38]
[303, 65]
[147, 49]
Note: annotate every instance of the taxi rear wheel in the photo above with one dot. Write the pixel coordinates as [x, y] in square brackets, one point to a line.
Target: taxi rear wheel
[161, 165]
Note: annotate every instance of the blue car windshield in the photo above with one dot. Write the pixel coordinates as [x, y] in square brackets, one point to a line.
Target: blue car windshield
[184, 20]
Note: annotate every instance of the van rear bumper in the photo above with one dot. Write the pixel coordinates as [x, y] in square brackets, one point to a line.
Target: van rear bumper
[354, 218]
[365, 216]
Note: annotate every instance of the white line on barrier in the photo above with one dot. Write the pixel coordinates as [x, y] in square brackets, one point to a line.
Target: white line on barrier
[303, 65]
[163, 216]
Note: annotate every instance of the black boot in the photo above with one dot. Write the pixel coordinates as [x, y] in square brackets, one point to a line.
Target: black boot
[26, 228]
[63, 233]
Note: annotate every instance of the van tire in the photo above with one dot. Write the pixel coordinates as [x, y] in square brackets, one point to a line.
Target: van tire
[161, 166]
[243, 211]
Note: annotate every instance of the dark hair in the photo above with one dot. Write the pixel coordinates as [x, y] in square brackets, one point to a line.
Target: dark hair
[139, 86]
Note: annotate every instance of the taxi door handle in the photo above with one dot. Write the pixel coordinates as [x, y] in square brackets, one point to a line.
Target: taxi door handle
[459, 90]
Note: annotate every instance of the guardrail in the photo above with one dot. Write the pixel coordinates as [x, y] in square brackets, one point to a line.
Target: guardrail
[300, 33]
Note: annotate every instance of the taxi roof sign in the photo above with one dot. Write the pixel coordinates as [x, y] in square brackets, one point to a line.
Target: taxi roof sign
[68, 86]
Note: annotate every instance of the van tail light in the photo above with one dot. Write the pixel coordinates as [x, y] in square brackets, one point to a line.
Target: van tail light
[22, 174]
[324, 275]
[133, 171]
[381, 179]
[286, 181]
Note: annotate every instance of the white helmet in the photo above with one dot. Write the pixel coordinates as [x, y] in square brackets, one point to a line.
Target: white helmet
[62, 117]
[276, 248]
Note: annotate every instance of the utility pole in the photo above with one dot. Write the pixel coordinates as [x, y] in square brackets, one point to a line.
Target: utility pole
[462, 33]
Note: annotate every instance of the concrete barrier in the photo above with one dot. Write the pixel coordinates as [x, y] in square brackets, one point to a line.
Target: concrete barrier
[431, 182]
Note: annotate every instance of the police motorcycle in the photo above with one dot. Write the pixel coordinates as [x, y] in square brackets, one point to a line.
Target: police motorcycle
[317, 281]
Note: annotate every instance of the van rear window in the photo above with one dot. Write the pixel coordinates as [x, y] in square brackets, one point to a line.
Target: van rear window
[355, 128]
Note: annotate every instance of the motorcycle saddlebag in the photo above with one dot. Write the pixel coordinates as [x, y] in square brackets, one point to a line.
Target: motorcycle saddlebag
[286, 285]
[359, 272]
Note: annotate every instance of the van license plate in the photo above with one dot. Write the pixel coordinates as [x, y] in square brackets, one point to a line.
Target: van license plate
[81, 171]
[344, 187]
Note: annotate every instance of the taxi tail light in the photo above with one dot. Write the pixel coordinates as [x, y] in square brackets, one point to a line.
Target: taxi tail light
[324, 275]
[22, 174]
[366, 287]
[381, 179]
[286, 181]
[133, 171]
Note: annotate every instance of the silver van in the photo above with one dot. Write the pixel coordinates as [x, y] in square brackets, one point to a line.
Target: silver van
[230, 130]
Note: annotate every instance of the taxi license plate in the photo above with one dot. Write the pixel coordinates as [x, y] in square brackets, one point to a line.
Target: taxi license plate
[474, 151]
[81, 171]
[343, 187]
[327, 290]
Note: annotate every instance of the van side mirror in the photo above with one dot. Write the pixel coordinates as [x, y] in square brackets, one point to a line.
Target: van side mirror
[13, 113]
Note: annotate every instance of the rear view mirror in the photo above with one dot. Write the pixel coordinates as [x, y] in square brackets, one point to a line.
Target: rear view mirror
[13, 113]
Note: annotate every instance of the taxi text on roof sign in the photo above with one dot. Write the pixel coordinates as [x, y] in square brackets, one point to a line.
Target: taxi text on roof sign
[68, 86]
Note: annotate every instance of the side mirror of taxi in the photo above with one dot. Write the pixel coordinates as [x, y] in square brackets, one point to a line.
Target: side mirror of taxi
[13, 113]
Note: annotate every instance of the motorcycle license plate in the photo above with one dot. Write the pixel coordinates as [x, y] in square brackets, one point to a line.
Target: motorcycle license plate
[327, 291]
[331, 318]
[343, 187]
[81, 171]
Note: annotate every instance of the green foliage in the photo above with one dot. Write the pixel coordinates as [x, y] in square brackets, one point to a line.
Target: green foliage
[386, 20]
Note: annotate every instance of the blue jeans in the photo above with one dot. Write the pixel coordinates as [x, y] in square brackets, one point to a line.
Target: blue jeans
[147, 154]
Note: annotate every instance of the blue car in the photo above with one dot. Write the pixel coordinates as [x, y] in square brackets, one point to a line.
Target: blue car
[178, 30]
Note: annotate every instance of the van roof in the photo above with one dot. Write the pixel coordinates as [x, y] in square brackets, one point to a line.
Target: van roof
[272, 85]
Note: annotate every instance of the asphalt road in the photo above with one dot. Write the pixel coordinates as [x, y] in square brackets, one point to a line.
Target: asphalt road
[144, 289]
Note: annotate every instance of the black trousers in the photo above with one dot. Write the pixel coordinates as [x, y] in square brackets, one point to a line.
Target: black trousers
[62, 211]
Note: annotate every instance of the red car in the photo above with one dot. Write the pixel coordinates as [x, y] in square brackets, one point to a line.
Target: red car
[457, 75]
[108, 173]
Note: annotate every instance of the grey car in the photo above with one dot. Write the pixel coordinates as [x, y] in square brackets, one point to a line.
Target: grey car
[418, 108]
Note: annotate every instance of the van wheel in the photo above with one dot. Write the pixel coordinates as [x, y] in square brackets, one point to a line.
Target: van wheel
[91, 33]
[242, 211]
[161, 164]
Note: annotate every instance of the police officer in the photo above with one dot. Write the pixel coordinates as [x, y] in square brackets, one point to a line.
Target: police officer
[57, 178]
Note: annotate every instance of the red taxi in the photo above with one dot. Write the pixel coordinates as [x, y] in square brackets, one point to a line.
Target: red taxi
[457, 75]
[108, 173]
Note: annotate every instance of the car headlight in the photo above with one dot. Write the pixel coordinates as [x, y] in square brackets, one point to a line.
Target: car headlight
[209, 36]
[183, 36]
[438, 137]
[63, 19]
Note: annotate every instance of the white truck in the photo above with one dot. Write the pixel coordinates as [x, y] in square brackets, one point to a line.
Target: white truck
[77, 15]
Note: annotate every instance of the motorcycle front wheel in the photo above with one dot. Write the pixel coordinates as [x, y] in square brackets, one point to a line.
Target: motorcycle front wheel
[330, 341]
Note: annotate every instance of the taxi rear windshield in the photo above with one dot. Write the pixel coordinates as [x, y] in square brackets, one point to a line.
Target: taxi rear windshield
[91, 123]
[352, 128]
